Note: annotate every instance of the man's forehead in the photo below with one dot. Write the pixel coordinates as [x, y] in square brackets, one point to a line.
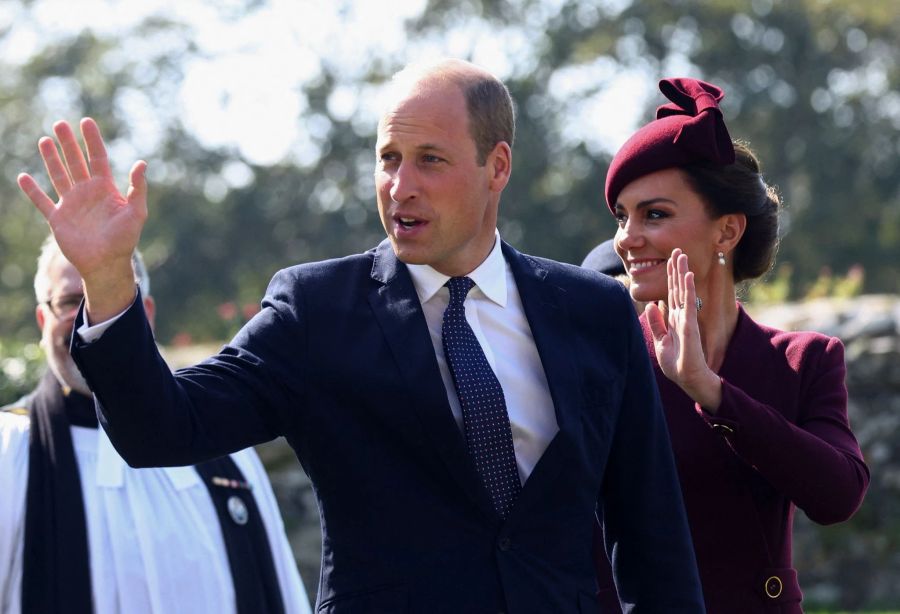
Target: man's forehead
[63, 274]
[432, 111]
[409, 136]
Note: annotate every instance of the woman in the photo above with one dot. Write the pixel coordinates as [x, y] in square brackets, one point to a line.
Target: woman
[757, 416]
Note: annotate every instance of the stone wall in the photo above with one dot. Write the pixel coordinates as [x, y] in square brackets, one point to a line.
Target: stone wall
[850, 566]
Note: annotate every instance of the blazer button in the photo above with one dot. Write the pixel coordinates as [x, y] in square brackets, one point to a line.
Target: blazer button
[774, 586]
[722, 429]
[504, 544]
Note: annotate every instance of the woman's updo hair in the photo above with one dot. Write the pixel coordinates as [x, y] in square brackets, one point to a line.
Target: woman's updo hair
[689, 133]
[740, 188]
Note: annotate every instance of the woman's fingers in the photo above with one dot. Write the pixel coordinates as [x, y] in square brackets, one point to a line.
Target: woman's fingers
[657, 321]
[683, 270]
[671, 298]
[690, 292]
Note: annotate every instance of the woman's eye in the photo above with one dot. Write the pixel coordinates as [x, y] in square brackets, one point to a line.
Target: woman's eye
[620, 220]
[655, 214]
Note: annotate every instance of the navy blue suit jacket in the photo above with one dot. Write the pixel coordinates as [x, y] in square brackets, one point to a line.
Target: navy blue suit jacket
[340, 362]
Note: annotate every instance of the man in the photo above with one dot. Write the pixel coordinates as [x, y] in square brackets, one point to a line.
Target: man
[82, 532]
[603, 258]
[458, 447]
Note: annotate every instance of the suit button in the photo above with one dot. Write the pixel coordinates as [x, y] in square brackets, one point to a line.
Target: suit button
[504, 544]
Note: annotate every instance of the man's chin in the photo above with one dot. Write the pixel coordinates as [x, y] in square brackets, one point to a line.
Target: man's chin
[409, 256]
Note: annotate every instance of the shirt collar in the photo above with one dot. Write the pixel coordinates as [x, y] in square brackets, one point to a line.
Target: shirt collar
[489, 276]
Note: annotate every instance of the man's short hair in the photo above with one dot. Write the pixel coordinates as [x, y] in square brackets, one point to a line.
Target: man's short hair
[492, 117]
[50, 251]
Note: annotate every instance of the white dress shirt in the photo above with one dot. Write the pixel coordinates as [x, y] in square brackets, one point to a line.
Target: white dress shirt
[154, 541]
[494, 311]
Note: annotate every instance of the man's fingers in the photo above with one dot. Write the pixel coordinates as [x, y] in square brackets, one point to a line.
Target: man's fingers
[137, 190]
[78, 169]
[97, 156]
[56, 170]
[34, 192]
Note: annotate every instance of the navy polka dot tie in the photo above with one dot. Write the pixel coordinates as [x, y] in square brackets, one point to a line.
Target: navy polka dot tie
[488, 434]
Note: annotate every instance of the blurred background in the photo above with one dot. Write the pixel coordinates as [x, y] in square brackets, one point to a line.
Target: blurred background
[258, 119]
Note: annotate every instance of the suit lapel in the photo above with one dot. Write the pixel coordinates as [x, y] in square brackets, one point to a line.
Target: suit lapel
[549, 322]
[399, 313]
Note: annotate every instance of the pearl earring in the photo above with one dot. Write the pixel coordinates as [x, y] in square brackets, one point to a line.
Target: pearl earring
[721, 258]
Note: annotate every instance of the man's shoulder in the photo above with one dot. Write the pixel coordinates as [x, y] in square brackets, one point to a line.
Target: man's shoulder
[326, 270]
[15, 417]
[595, 303]
[20, 407]
[564, 273]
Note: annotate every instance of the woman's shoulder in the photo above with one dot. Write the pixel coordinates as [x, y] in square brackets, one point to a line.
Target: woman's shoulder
[796, 344]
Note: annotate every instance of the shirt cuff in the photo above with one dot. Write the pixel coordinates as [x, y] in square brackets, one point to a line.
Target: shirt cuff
[91, 332]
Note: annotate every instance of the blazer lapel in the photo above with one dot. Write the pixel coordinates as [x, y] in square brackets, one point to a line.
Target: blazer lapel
[399, 313]
[549, 322]
[546, 314]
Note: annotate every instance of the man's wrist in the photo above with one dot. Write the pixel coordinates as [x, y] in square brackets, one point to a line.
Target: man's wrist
[109, 292]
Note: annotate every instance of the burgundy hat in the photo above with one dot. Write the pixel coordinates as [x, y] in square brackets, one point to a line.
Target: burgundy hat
[688, 129]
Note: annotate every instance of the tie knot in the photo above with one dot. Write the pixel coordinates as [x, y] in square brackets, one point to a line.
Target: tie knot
[459, 287]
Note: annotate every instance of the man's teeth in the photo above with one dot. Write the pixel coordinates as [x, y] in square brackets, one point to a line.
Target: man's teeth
[408, 221]
[643, 265]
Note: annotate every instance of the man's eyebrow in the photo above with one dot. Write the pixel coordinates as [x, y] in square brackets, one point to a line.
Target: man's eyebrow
[389, 145]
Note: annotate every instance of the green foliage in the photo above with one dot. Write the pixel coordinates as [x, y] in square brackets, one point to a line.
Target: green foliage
[777, 288]
[21, 366]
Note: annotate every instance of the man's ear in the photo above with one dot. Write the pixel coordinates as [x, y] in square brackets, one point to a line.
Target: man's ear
[731, 229]
[39, 316]
[499, 162]
[150, 310]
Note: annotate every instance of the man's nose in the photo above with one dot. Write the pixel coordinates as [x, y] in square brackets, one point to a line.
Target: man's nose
[405, 183]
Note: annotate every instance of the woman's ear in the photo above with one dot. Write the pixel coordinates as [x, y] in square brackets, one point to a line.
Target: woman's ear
[731, 229]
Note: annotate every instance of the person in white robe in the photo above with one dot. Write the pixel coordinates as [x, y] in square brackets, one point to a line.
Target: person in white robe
[156, 543]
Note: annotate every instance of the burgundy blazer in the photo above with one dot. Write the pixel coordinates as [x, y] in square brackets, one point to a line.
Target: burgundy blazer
[780, 440]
